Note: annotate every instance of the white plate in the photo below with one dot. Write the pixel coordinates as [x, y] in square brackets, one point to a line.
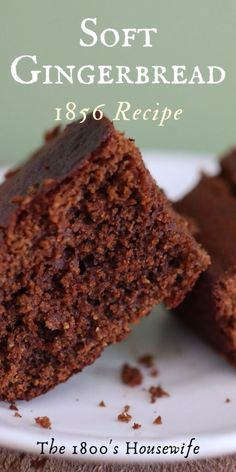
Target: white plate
[197, 379]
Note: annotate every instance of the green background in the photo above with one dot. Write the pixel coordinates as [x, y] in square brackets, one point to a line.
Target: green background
[190, 32]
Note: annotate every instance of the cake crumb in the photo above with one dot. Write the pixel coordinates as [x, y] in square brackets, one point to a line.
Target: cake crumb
[146, 360]
[227, 400]
[17, 414]
[131, 376]
[102, 404]
[154, 372]
[13, 406]
[157, 392]
[43, 421]
[136, 426]
[126, 408]
[158, 420]
[124, 416]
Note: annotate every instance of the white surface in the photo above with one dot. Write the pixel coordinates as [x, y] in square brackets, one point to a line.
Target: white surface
[197, 379]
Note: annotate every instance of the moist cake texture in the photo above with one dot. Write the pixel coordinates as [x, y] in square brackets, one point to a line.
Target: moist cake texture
[210, 308]
[89, 244]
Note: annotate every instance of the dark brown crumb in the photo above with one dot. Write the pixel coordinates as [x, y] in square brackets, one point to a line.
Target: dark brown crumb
[17, 414]
[13, 406]
[154, 372]
[124, 416]
[102, 404]
[227, 400]
[43, 421]
[157, 392]
[158, 420]
[136, 426]
[146, 360]
[126, 408]
[131, 375]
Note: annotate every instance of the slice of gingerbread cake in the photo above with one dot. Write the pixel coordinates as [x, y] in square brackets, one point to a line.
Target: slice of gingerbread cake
[89, 244]
[210, 308]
